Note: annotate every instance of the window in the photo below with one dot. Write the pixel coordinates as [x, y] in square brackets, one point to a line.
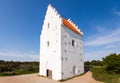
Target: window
[80, 54]
[66, 58]
[73, 42]
[75, 70]
[81, 59]
[65, 43]
[48, 43]
[62, 58]
[65, 51]
[48, 25]
[77, 45]
[65, 36]
[81, 48]
[62, 73]
[69, 43]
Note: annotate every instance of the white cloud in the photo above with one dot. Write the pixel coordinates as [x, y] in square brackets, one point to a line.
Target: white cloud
[105, 44]
[18, 56]
[110, 47]
[112, 37]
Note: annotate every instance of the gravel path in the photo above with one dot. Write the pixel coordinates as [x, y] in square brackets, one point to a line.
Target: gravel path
[34, 78]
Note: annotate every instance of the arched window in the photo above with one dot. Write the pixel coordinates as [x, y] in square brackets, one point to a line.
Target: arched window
[74, 70]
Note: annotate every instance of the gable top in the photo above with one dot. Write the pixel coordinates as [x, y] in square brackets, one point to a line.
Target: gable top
[71, 26]
[68, 23]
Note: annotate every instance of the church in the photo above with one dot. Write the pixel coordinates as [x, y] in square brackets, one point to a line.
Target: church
[61, 47]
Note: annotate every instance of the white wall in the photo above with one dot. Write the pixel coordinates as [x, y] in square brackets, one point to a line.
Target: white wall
[50, 56]
[73, 54]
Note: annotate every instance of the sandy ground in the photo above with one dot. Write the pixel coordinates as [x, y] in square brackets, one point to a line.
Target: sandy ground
[34, 78]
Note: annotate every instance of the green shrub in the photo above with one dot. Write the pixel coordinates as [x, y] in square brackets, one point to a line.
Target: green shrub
[112, 63]
[8, 68]
[101, 75]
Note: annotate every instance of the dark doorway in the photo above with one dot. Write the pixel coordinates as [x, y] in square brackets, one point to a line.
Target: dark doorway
[49, 73]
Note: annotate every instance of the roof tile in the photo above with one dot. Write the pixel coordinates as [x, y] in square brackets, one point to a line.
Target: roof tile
[70, 26]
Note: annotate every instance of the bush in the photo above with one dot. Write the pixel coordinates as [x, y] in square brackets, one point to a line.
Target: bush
[16, 68]
[112, 63]
[101, 75]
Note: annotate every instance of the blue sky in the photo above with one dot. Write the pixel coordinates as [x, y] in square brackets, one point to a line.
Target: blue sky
[21, 23]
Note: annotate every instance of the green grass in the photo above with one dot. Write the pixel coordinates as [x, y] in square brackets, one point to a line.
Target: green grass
[100, 74]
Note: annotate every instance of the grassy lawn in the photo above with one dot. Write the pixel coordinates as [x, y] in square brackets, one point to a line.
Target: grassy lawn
[101, 75]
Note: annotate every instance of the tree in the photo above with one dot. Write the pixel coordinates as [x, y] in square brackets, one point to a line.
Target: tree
[112, 63]
[87, 63]
[96, 63]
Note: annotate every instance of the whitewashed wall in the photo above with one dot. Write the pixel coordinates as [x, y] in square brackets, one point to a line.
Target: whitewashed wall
[72, 55]
[50, 57]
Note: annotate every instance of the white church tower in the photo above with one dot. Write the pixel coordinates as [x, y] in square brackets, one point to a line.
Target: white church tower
[61, 47]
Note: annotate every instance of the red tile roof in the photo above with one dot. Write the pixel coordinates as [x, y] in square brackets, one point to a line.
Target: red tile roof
[70, 26]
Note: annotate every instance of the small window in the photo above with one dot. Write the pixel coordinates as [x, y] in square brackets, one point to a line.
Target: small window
[80, 54]
[48, 43]
[75, 70]
[66, 58]
[65, 43]
[48, 25]
[69, 43]
[73, 42]
[65, 36]
[62, 58]
[65, 51]
[62, 73]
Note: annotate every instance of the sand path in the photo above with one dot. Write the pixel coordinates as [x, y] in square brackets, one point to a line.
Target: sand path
[34, 78]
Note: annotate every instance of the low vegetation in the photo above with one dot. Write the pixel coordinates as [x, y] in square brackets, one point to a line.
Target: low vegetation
[9, 68]
[108, 70]
[112, 63]
[101, 75]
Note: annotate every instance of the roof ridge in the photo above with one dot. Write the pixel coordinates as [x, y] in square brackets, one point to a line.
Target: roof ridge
[72, 26]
